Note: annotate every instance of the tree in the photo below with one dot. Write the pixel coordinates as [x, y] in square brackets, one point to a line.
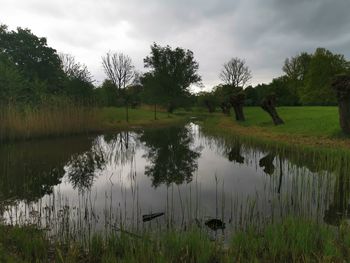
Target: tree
[341, 85]
[118, 68]
[236, 73]
[296, 67]
[79, 82]
[208, 100]
[268, 105]
[172, 71]
[32, 57]
[14, 89]
[106, 95]
[324, 65]
[75, 70]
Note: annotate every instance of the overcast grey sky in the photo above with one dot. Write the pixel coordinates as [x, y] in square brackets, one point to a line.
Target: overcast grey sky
[264, 32]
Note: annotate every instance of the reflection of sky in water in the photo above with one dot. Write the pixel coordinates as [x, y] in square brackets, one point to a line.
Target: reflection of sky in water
[120, 185]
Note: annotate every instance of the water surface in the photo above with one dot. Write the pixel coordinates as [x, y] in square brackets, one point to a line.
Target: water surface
[99, 183]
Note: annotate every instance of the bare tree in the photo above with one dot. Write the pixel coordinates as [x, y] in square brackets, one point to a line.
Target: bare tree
[236, 73]
[74, 69]
[118, 68]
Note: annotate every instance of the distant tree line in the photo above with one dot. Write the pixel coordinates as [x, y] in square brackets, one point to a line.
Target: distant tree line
[306, 80]
[31, 73]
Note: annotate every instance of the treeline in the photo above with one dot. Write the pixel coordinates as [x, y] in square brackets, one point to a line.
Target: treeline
[32, 73]
[306, 80]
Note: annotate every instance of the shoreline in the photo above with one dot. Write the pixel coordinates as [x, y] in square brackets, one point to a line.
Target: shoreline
[262, 135]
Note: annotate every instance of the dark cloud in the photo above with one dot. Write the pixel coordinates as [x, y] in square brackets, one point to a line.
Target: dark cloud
[262, 32]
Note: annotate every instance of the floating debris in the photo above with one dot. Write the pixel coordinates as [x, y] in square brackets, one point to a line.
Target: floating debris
[215, 224]
[150, 217]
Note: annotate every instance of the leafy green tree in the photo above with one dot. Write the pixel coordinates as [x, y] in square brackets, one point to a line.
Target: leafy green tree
[172, 71]
[208, 100]
[78, 81]
[106, 94]
[13, 87]
[324, 65]
[32, 57]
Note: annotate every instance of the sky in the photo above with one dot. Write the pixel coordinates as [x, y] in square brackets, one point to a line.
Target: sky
[263, 32]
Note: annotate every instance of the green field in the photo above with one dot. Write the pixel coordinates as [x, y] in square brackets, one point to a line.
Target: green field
[310, 121]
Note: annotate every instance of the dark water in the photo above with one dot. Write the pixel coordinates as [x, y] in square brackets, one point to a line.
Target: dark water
[81, 184]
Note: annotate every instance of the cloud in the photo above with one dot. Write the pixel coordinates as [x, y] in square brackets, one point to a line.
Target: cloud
[262, 32]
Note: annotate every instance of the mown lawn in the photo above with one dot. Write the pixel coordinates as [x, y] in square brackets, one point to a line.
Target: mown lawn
[310, 121]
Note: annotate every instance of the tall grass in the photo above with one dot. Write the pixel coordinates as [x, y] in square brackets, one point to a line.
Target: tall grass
[46, 120]
[293, 240]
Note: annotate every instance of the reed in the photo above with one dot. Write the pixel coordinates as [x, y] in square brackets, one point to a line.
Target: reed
[47, 120]
[293, 240]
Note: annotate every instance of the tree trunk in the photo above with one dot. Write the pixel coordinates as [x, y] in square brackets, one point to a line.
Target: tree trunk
[209, 106]
[341, 85]
[127, 113]
[237, 102]
[225, 107]
[155, 111]
[268, 105]
[171, 108]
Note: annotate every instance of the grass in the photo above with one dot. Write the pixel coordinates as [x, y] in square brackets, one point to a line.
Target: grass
[293, 240]
[67, 119]
[46, 121]
[115, 118]
[305, 121]
[315, 127]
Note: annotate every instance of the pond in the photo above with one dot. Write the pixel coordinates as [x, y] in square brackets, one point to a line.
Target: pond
[78, 185]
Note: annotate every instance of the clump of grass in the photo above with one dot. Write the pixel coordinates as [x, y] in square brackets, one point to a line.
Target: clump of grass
[293, 240]
[23, 243]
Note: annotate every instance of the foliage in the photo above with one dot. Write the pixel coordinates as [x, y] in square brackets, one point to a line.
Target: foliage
[172, 71]
[33, 58]
[324, 65]
[307, 80]
[14, 89]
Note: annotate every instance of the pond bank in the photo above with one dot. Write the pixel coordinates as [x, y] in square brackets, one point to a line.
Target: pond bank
[290, 241]
[282, 135]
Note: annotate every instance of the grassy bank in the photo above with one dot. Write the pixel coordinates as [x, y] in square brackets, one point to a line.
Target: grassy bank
[291, 241]
[304, 126]
[68, 119]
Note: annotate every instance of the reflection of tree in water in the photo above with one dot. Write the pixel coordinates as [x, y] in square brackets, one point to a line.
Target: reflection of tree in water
[30, 170]
[339, 209]
[116, 149]
[170, 154]
[120, 148]
[235, 153]
[82, 168]
[267, 163]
